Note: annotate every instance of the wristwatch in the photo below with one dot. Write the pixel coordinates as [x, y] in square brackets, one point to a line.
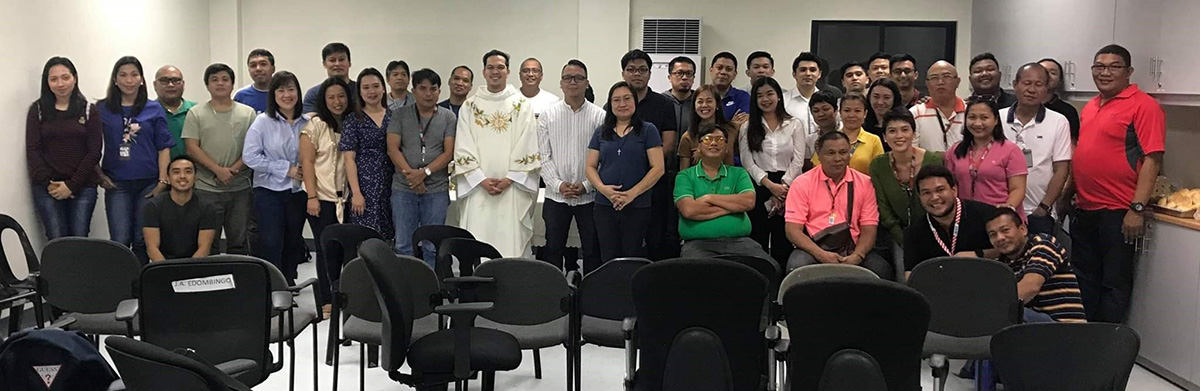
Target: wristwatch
[427, 172]
[1044, 206]
[1137, 207]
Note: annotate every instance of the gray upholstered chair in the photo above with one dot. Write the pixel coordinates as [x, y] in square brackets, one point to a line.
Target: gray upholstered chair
[532, 302]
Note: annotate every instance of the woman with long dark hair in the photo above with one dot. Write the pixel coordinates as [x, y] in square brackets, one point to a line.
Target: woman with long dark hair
[63, 140]
[624, 162]
[325, 173]
[137, 149]
[884, 96]
[364, 148]
[271, 150]
[773, 148]
[706, 113]
[988, 167]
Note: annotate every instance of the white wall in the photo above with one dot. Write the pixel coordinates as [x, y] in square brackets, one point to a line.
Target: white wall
[93, 34]
[784, 27]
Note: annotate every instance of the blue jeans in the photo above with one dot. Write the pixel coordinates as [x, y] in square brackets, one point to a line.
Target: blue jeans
[123, 207]
[1032, 316]
[411, 211]
[281, 229]
[69, 217]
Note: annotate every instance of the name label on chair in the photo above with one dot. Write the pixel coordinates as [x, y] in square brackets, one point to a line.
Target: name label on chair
[47, 373]
[204, 284]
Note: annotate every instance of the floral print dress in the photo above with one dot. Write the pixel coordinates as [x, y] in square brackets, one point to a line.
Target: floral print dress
[369, 143]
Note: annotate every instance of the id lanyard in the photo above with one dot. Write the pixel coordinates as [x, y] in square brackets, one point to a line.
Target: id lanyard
[954, 235]
[905, 185]
[945, 129]
[833, 202]
[421, 131]
[973, 167]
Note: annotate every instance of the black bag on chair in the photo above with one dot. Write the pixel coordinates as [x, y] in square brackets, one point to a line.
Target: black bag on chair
[52, 359]
[837, 238]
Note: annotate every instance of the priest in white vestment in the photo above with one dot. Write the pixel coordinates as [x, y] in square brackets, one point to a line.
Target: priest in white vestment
[497, 162]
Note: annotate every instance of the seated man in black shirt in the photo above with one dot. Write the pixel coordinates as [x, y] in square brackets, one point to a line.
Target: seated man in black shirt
[178, 223]
[951, 227]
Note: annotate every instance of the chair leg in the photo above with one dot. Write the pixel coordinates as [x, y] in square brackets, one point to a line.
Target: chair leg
[578, 366]
[14, 318]
[984, 377]
[291, 353]
[460, 385]
[334, 330]
[315, 345]
[372, 356]
[336, 361]
[939, 366]
[489, 380]
[570, 367]
[39, 311]
[362, 367]
[537, 363]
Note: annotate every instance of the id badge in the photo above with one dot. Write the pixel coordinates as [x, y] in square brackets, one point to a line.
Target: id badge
[124, 151]
[832, 218]
[1028, 157]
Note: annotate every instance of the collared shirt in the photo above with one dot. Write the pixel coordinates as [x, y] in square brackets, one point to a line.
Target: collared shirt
[916, 99]
[815, 202]
[271, 150]
[563, 136]
[421, 141]
[150, 137]
[935, 131]
[446, 103]
[542, 101]
[797, 106]
[921, 246]
[253, 97]
[783, 149]
[310, 96]
[1001, 97]
[735, 101]
[866, 147]
[1059, 296]
[394, 104]
[221, 136]
[684, 110]
[693, 183]
[328, 165]
[996, 164]
[1067, 110]
[1114, 139]
[175, 125]
[1048, 139]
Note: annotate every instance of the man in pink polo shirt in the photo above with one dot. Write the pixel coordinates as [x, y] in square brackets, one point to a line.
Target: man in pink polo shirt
[828, 196]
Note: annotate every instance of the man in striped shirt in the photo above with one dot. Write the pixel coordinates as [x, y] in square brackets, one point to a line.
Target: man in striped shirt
[1045, 281]
[564, 130]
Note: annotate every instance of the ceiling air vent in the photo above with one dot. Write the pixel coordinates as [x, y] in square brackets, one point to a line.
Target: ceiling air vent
[671, 35]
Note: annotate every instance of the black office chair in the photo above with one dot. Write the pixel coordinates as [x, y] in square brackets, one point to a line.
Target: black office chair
[441, 357]
[144, 366]
[1065, 356]
[469, 252]
[92, 281]
[15, 292]
[219, 307]
[604, 299]
[852, 369]
[532, 302]
[696, 361]
[767, 267]
[339, 243]
[435, 234]
[882, 318]
[970, 299]
[673, 295]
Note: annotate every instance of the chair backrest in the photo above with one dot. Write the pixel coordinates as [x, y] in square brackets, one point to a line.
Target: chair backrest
[526, 292]
[968, 297]
[358, 288]
[87, 275]
[340, 242]
[767, 267]
[697, 362]
[395, 300]
[435, 234]
[607, 292]
[7, 277]
[147, 367]
[882, 318]
[469, 253]
[1065, 356]
[673, 295]
[852, 369]
[822, 270]
[218, 306]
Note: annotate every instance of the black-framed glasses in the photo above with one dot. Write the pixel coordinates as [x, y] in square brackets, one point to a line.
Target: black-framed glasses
[638, 71]
[574, 78]
[684, 73]
[1099, 68]
[170, 80]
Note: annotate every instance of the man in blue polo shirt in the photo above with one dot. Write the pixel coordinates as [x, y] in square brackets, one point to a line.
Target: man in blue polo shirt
[735, 103]
[713, 199]
[261, 64]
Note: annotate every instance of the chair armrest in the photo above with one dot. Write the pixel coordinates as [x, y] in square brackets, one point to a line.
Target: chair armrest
[469, 280]
[574, 277]
[63, 322]
[302, 284]
[127, 309]
[462, 319]
[117, 385]
[464, 308]
[772, 335]
[236, 367]
[281, 300]
[628, 326]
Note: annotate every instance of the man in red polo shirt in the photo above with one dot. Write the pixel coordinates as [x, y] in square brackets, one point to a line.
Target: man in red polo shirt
[1120, 151]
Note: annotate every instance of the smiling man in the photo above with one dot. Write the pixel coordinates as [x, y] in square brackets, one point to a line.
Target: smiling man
[335, 57]
[461, 79]
[940, 120]
[1045, 282]
[735, 103]
[713, 199]
[177, 224]
[1044, 137]
[168, 86]
[953, 226]
[985, 80]
[531, 87]
[261, 64]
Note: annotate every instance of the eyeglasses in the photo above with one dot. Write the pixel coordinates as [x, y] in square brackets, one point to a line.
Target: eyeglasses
[531, 71]
[574, 78]
[940, 78]
[712, 139]
[1099, 68]
[638, 71]
[682, 74]
[170, 80]
[902, 71]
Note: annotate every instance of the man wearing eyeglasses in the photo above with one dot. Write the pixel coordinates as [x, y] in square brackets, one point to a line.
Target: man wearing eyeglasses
[1044, 137]
[904, 73]
[168, 85]
[1120, 150]
[662, 241]
[531, 81]
[682, 78]
[940, 119]
[713, 199]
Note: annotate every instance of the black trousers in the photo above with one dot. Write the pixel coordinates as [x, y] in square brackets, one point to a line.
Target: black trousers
[769, 232]
[327, 272]
[1041, 225]
[662, 239]
[621, 232]
[1103, 264]
[557, 217]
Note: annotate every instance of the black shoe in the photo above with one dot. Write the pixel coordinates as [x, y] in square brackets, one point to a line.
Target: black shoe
[967, 371]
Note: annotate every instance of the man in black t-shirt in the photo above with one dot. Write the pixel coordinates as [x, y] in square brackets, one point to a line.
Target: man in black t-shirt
[951, 226]
[178, 223]
[662, 239]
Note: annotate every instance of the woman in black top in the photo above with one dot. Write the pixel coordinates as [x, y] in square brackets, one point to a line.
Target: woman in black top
[884, 96]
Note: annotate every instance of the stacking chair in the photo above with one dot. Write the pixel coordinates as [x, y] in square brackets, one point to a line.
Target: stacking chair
[339, 243]
[435, 234]
[673, 295]
[147, 367]
[532, 301]
[1065, 356]
[852, 369]
[441, 357]
[884, 319]
[469, 253]
[697, 362]
[92, 281]
[971, 299]
[604, 299]
[219, 307]
[15, 292]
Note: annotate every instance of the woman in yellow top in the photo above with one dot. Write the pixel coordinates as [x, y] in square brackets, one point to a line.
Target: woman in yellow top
[325, 173]
[865, 146]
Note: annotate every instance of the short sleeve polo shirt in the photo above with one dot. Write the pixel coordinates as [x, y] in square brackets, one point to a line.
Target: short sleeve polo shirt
[693, 183]
[1114, 139]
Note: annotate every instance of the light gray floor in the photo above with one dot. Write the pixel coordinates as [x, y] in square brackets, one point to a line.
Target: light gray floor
[603, 368]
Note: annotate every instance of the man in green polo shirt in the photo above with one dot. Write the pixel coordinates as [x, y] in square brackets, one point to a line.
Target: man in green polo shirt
[168, 86]
[713, 199]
